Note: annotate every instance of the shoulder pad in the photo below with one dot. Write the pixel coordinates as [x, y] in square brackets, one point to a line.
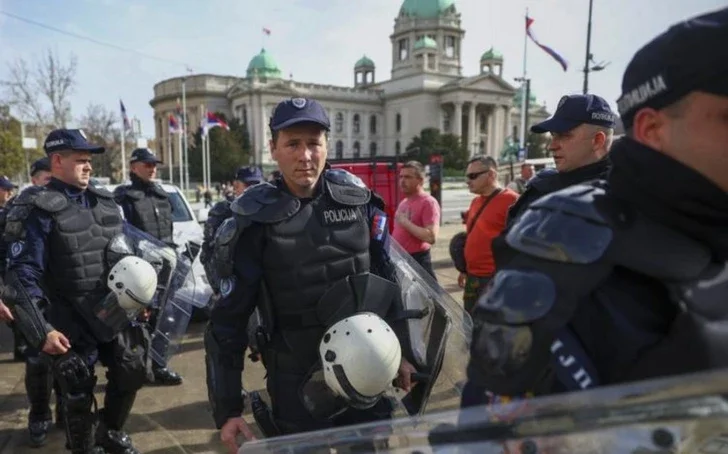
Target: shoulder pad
[159, 190]
[266, 204]
[346, 188]
[220, 209]
[100, 192]
[543, 179]
[27, 195]
[564, 226]
[51, 201]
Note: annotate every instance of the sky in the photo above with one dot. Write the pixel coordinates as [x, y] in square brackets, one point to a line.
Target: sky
[319, 41]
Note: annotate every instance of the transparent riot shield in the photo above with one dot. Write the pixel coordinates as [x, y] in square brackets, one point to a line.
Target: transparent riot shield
[440, 338]
[685, 414]
[186, 288]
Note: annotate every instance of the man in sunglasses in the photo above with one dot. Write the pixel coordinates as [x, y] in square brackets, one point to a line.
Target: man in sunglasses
[581, 135]
[484, 220]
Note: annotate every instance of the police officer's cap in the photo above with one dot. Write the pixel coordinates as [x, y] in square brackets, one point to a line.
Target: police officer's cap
[6, 184]
[41, 165]
[575, 110]
[690, 56]
[249, 175]
[143, 155]
[299, 110]
[69, 139]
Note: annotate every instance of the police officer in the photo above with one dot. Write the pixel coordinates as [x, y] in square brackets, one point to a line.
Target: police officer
[619, 280]
[244, 178]
[6, 194]
[582, 129]
[38, 376]
[292, 241]
[146, 206]
[59, 238]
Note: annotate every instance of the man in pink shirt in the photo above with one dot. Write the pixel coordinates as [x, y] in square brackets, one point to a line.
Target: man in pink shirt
[417, 221]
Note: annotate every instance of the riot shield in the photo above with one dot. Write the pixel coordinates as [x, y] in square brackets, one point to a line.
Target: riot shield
[684, 414]
[440, 338]
[186, 289]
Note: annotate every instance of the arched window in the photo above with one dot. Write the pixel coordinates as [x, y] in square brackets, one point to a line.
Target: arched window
[373, 149]
[398, 123]
[397, 148]
[357, 150]
[356, 124]
[339, 149]
[339, 122]
[373, 124]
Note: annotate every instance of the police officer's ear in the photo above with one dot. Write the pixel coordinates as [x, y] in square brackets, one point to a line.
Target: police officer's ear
[649, 128]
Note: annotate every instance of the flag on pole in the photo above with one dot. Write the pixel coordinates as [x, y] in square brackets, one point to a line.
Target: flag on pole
[174, 127]
[266, 31]
[561, 60]
[213, 121]
[124, 117]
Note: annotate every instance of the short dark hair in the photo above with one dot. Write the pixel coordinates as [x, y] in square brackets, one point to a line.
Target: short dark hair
[487, 161]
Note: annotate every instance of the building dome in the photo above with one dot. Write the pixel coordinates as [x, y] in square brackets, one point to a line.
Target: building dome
[364, 62]
[263, 65]
[518, 98]
[426, 9]
[492, 54]
[425, 43]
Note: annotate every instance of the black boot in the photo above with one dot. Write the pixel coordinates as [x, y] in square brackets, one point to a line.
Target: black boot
[165, 377]
[80, 423]
[38, 387]
[112, 417]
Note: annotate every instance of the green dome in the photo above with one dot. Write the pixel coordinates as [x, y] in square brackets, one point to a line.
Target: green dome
[263, 65]
[364, 62]
[425, 43]
[518, 98]
[426, 9]
[492, 54]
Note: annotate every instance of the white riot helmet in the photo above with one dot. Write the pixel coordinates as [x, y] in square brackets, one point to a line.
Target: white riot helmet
[361, 356]
[134, 282]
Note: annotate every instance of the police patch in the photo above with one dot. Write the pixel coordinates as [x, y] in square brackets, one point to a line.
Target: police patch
[299, 103]
[16, 248]
[226, 286]
[340, 216]
[379, 224]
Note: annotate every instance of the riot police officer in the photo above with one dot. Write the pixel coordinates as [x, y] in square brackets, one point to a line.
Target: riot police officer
[59, 235]
[582, 130]
[146, 206]
[287, 244]
[620, 280]
[38, 378]
[244, 178]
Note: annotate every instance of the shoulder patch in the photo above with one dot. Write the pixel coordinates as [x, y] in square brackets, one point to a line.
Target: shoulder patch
[346, 188]
[51, 201]
[565, 226]
[266, 204]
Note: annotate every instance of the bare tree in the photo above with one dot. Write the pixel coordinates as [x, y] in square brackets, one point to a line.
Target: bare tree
[40, 91]
[101, 127]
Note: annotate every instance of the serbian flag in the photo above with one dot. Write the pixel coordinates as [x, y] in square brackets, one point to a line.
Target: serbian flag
[124, 117]
[213, 121]
[562, 61]
[173, 125]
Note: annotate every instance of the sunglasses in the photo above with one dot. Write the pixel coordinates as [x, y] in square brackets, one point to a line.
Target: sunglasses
[474, 175]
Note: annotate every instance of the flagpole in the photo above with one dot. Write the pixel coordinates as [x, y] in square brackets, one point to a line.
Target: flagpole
[181, 161]
[524, 101]
[205, 144]
[170, 165]
[123, 152]
[184, 135]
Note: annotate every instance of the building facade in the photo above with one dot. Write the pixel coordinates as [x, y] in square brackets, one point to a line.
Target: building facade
[426, 90]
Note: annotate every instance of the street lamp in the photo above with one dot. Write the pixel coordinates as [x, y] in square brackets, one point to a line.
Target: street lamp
[589, 64]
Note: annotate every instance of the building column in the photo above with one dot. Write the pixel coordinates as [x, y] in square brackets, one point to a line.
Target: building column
[441, 119]
[458, 120]
[490, 142]
[509, 125]
[499, 126]
[348, 127]
[471, 128]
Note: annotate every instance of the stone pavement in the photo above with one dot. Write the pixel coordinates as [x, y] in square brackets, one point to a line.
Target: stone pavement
[164, 419]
